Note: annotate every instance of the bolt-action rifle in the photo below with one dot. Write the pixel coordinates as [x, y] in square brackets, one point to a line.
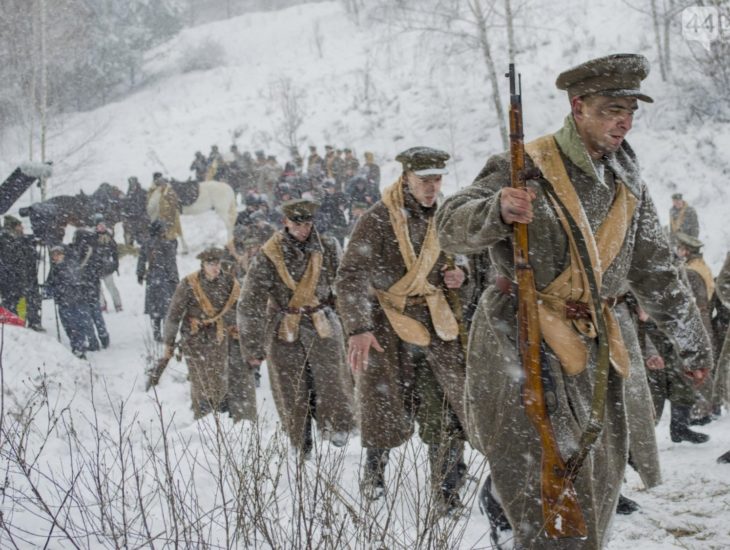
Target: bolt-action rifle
[561, 511]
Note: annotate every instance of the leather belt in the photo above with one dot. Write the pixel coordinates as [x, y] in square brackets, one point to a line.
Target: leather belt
[416, 301]
[573, 309]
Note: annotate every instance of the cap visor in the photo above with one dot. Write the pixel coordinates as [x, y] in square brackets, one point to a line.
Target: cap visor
[431, 172]
[627, 93]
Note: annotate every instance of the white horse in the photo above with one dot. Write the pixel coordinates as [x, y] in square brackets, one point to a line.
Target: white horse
[213, 195]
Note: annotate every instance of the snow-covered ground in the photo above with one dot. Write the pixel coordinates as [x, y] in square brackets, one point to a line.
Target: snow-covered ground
[690, 509]
[371, 94]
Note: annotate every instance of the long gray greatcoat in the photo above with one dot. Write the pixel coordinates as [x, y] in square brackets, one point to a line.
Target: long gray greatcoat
[469, 222]
[373, 260]
[260, 311]
[206, 356]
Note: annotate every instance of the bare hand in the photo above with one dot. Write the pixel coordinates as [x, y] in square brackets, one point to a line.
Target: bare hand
[358, 350]
[697, 376]
[453, 278]
[655, 362]
[255, 362]
[516, 204]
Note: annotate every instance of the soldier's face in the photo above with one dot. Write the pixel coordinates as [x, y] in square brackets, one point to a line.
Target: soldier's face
[425, 189]
[212, 269]
[299, 230]
[603, 122]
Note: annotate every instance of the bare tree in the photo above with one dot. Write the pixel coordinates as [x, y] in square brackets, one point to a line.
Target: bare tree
[471, 22]
[290, 102]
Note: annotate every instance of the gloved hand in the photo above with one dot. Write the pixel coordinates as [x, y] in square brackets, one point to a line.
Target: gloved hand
[140, 279]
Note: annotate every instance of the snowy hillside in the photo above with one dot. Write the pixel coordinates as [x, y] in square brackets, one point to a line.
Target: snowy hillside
[371, 89]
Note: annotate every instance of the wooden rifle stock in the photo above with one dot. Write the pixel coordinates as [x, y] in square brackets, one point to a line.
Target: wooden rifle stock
[561, 511]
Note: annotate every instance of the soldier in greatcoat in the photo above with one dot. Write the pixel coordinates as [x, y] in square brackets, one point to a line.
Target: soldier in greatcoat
[585, 171]
[702, 283]
[286, 316]
[203, 308]
[682, 217]
[393, 292]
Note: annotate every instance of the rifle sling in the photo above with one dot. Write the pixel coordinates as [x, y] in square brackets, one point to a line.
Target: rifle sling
[598, 402]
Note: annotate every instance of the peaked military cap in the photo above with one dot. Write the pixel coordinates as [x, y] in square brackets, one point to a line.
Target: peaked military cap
[11, 222]
[617, 75]
[58, 249]
[424, 161]
[211, 254]
[688, 241]
[677, 196]
[299, 210]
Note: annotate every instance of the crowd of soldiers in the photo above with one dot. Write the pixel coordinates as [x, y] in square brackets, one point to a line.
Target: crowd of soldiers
[413, 324]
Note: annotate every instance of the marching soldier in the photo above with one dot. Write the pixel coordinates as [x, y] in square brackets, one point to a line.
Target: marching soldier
[404, 346]
[203, 308]
[588, 173]
[298, 332]
[682, 217]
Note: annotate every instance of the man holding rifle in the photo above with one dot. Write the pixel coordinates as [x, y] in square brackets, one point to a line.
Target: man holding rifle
[591, 234]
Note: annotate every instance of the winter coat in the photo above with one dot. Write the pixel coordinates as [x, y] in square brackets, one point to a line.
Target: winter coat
[685, 220]
[96, 253]
[261, 308]
[470, 222]
[640, 412]
[64, 283]
[385, 390]
[18, 267]
[157, 264]
[372, 174]
[330, 218]
[206, 353]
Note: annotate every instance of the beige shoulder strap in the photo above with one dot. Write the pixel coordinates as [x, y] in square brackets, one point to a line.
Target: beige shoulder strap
[564, 335]
[303, 293]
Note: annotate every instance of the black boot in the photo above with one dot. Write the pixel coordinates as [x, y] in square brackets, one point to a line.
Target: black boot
[372, 484]
[679, 427]
[446, 477]
[626, 506]
[701, 421]
[490, 506]
[724, 459]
